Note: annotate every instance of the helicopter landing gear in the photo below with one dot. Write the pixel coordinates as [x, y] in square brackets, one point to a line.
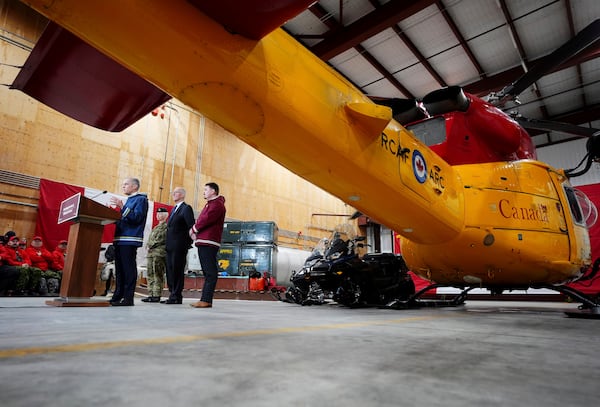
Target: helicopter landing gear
[414, 300]
[588, 309]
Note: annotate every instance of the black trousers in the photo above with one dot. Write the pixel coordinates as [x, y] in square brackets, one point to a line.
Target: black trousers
[210, 269]
[125, 272]
[8, 277]
[176, 260]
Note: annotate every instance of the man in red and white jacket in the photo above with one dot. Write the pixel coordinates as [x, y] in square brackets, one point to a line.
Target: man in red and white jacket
[206, 234]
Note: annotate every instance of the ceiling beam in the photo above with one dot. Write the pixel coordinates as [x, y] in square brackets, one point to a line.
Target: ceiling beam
[422, 60]
[334, 25]
[460, 38]
[572, 32]
[585, 115]
[324, 16]
[383, 71]
[373, 23]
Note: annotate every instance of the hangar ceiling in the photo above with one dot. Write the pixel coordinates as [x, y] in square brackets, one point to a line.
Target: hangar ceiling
[406, 49]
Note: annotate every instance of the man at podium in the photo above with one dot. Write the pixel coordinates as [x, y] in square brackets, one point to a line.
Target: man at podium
[129, 235]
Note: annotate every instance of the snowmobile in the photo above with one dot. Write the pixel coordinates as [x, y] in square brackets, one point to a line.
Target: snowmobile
[335, 272]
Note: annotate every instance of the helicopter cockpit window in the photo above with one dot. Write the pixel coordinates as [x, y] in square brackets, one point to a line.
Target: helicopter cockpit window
[431, 131]
[582, 209]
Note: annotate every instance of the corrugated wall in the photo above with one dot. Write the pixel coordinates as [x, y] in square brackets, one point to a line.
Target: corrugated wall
[568, 155]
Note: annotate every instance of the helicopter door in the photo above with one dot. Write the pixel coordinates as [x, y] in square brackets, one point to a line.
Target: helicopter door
[583, 215]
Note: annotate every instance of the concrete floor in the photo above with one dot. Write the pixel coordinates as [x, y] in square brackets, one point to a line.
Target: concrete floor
[265, 353]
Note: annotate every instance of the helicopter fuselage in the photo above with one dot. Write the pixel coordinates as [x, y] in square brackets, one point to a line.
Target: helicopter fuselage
[523, 227]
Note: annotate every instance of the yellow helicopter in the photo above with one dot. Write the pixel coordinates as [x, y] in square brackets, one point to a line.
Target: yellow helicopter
[479, 214]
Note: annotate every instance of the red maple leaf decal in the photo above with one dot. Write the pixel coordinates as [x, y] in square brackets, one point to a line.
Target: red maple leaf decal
[419, 165]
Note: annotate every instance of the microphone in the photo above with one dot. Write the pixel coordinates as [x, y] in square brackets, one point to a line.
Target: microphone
[98, 194]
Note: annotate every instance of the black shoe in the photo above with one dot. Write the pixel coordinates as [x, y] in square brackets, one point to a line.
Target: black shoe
[122, 303]
[171, 301]
[115, 299]
[151, 299]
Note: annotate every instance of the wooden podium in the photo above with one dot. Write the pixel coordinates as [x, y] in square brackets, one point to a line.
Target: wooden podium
[83, 250]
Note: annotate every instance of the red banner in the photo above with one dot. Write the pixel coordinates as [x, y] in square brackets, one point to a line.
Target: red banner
[51, 195]
[591, 287]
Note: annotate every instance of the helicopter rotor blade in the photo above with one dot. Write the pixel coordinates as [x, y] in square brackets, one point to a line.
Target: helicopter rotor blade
[546, 125]
[583, 40]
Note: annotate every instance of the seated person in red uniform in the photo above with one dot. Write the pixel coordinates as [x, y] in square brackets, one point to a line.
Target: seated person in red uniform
[59, 256]
[41, 258]
[29, 280]
[15, 256]
[23, 244]
[8, 274]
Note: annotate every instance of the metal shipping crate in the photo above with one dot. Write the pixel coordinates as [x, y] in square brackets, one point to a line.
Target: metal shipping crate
[258, 257]
[232, 232]
[259, 232]
[229, 259]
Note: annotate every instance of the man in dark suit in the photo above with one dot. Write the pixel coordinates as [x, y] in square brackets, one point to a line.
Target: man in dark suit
[178, 244]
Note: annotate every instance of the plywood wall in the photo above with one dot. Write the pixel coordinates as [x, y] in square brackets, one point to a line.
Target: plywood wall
[180, 149]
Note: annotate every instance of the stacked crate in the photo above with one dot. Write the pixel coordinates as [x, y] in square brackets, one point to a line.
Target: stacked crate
[247, 247]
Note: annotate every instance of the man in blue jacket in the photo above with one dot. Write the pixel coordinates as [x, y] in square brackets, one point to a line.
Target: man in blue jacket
[129, 235]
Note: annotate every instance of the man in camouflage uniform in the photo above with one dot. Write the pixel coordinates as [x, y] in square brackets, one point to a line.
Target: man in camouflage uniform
[157, 257]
